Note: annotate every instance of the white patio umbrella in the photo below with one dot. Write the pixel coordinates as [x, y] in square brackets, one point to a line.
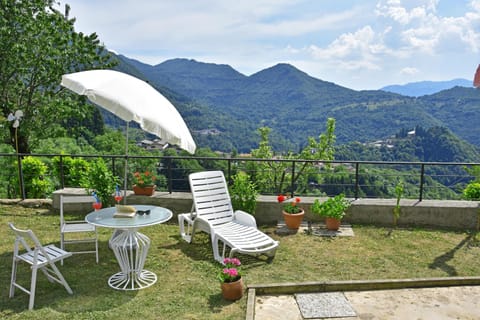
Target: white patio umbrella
[132, 99]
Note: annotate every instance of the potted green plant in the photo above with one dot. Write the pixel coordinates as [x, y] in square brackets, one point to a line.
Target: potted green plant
[292, 212]
[333, 209]
[231, 279]
[144, 183]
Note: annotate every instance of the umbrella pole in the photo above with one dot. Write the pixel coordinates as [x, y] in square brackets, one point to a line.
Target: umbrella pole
[126, 168]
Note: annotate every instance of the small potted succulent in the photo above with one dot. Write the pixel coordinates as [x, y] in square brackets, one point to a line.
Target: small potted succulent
[292, 213]
[333, 209]
[144, 183]
[231, 279]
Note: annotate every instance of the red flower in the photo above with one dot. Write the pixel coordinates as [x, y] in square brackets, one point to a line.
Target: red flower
[143, 179]
[290, 204]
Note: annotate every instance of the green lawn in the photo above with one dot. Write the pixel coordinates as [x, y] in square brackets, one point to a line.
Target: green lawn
[187, 286]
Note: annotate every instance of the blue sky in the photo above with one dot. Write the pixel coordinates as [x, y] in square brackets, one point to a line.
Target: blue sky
[359, 44]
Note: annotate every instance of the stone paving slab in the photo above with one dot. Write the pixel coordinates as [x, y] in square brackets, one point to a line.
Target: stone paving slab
[277, 307]
[345, 230]
[324, 305]
[316, 229]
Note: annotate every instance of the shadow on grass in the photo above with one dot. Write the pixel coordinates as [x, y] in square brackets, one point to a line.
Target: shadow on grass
[87, 279]
[24, 213]
[216, 302]
[200, 249]
[441, 262]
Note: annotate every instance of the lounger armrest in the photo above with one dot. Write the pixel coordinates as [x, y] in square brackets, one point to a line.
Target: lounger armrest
[245, 218]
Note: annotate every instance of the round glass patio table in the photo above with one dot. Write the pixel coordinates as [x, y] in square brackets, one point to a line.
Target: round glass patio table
[129, 245]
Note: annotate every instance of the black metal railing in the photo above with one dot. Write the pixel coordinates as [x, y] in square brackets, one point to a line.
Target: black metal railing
[358, 179]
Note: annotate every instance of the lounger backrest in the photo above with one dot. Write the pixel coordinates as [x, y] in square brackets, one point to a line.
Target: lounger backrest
[210, 196]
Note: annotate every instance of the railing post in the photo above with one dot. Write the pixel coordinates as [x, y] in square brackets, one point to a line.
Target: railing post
[169, 171]
[113, 166]
[357, 180]
[62, 173]
[422, 181]
[22, 183]
[292, 183]
[229, 171]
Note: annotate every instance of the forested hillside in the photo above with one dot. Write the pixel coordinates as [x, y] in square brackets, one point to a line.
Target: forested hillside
[224, 108]
[458, 109]
[435, 144]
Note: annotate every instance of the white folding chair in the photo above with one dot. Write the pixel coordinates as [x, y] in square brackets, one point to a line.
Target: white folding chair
[213, 214]
[39, 257]
[88, 233]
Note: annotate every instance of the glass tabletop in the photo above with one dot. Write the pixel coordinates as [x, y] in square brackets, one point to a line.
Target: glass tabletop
[104, 217]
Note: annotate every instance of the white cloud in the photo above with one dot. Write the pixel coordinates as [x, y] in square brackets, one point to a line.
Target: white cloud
[409, 71]
[404, 33]
[422, 28]
[378, 42]
[475, 5]
[360, 45]
[303, 24]
[292, 50]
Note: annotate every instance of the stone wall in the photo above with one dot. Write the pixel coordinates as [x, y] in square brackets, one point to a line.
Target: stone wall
[432, 213]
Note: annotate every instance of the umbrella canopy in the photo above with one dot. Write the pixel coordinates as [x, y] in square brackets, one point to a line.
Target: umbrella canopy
[476, 79]
[132, 99]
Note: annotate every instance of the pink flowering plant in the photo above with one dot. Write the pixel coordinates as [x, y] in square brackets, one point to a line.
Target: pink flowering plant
[231, 270]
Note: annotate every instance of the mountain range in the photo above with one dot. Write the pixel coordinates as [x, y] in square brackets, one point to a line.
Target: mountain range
[224, 108]
[421, 88]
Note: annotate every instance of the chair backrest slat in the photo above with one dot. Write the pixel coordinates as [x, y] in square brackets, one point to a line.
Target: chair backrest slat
[37, 254]
[76, 199]
[210, 196]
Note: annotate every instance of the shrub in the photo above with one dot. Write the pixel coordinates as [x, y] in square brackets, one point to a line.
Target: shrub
[37, 184]
[73, 170]
[243, 193]
[472, 191]
[99, 178]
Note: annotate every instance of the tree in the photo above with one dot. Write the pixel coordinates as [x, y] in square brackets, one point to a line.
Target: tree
[38, 45]
[271, 176]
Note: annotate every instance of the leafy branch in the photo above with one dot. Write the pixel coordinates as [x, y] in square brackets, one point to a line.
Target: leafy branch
[271, 175]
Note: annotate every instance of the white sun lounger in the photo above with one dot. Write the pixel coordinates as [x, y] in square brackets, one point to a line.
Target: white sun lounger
[212, 213]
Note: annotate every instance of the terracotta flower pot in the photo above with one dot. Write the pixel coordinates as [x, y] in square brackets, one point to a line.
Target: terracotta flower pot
[293, 220]
[332, 224]
[232, 290]
[144, 191]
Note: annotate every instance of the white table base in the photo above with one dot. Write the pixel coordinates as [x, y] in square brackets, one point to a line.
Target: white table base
[131, 248]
